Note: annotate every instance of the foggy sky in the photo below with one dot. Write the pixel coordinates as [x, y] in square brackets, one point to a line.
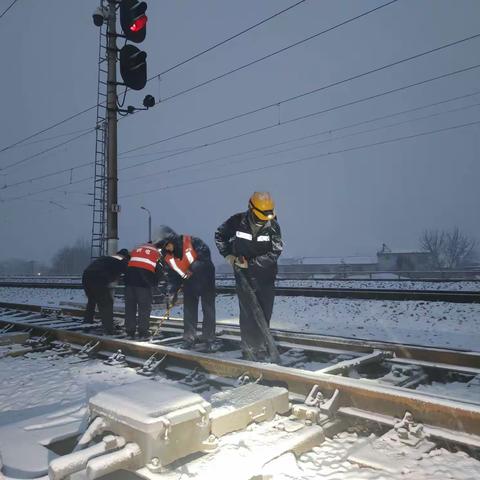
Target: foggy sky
[337, 205]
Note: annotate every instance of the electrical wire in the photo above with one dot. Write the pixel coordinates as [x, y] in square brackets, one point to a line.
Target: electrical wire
[8, 8]
[177, 152]
[223, 42]
[304, 94]
[61, 122]
[57, 187]
[304, 159]
[319, 112]
[270, 55]
[35, 155]
[331, 139]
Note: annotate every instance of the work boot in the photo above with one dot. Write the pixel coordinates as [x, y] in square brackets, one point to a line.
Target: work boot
[187, 343]
[143, 337]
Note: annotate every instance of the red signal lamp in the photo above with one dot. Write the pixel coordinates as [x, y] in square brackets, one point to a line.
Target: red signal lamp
[139, 23]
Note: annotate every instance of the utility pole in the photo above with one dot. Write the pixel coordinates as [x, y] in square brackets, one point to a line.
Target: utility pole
[133, 69]
[112, 190]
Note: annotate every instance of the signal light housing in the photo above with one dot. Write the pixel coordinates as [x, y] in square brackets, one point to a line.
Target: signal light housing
[133, 67]
[133, 20]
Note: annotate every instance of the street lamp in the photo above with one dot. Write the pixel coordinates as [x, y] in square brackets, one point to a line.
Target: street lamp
[149, 224]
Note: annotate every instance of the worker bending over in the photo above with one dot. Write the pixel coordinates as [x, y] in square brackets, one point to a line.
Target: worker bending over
[188, 265]
[143, 272]
[98, 281]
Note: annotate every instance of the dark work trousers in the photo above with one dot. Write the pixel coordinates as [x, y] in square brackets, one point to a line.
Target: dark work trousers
[264, 290]
[190, 313]
[102, 296]
[138, 298]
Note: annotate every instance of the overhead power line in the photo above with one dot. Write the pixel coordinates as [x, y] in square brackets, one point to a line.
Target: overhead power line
[309, 115]
[71, 169]
[182, 150]
[209, 49]
[223, 42]
[57, 187]
[324, 132]
[304, 94]
[8, 8]
[272, 54]
[304, 159]
[39, 132]
[49, 149]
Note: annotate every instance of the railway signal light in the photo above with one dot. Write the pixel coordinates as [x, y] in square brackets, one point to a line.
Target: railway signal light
[133, 67]
[133, 20]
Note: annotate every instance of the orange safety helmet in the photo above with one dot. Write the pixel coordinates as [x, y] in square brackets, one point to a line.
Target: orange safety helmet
[261, 204]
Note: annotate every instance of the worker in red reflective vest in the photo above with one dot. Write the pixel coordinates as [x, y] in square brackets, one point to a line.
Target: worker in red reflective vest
[188, 263]
[143, 272]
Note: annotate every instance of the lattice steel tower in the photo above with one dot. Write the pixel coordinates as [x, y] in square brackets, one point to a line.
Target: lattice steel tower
[98, 242]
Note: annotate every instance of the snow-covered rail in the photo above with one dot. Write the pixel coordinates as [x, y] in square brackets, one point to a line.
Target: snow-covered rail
[333, 405]
[375, 377]
[454, 296]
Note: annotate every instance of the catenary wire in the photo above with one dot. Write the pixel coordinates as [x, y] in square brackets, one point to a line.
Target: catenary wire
[49, 149]
[176, 152]
[223, 42]
[304, 159]
[331, 139]
[8, 8]
[71, 117]
[319, 112]
[303, 94]
[188, 149]
[272, 54]
[57, 187]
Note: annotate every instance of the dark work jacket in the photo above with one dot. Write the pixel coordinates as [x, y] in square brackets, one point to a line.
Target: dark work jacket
[203, 270]
[141, 277]
[104, 270]
[260, 246]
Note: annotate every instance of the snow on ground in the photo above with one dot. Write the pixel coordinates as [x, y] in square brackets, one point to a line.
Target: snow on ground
[41, 379]
[441, 324]
[41, 383]
[369, 284]
[452, 325]
[388, 283]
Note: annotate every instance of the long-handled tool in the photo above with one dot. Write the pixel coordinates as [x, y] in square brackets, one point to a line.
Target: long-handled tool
[258, 315]
[166, 315]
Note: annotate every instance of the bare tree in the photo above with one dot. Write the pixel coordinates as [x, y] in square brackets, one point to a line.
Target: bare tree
[457, 248]
[433, 241]
[72, 259]
[449, 249]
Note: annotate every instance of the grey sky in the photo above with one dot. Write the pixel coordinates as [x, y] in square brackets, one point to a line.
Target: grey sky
[342, 204]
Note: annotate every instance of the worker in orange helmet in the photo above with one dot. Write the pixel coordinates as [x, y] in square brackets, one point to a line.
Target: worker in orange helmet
[251, 242]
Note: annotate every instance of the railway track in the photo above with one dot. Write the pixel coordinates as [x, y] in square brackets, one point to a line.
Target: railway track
[314, 292]
[332, 382]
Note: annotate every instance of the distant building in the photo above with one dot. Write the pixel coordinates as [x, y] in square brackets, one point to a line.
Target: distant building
[403, 261]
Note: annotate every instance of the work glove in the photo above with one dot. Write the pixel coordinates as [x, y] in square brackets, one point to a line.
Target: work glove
[230, 259]
[241, 262]
[187, 274]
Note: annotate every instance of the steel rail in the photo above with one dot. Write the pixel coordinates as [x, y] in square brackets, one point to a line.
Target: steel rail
[392, 401]
[333, 343]
[338, 344]
[313, 292]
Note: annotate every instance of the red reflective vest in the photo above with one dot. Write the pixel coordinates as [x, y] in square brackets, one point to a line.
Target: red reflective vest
[189, 255]
[145, 256]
